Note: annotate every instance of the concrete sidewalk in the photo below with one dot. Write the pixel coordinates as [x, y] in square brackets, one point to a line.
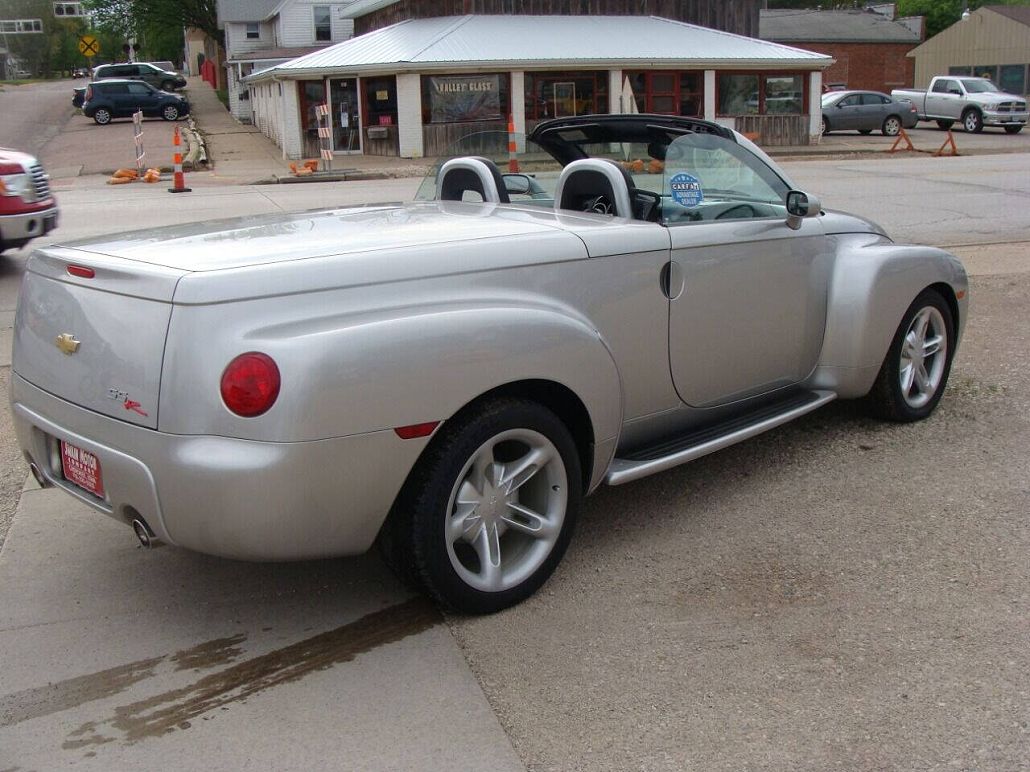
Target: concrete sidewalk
[121, 658]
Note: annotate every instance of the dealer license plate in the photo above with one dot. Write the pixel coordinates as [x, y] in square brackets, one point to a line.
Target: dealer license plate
[82, 468]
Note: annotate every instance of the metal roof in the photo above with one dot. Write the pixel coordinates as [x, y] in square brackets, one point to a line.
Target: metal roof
[1019, 13]
[365, 7]
[799, 25]
[459, 42]
[245, 10]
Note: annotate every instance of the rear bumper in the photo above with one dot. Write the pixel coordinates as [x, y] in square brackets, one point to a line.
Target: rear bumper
[18, 229]
[222, 496]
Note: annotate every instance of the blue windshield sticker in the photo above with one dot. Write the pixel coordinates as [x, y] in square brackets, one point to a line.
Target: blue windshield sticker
[686, 190]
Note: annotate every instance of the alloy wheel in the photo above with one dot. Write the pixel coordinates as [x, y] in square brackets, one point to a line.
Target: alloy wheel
[924, 354]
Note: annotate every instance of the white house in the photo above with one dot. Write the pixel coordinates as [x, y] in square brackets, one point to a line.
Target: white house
[264, 33]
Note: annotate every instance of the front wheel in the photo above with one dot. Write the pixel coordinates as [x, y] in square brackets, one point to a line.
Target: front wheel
[102, 116]
[170, 113]
[972, 121]
[891, 126]
[1013, 129]
[915, 370]
[826, 126]
[490, 509]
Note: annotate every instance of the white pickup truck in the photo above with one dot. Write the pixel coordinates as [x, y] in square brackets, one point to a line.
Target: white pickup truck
[976, 102]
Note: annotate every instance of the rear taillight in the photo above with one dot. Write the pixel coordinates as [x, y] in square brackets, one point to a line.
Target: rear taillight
[88, 95]
[250, 384]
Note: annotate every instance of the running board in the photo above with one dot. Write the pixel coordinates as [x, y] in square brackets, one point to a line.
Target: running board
[701, 443]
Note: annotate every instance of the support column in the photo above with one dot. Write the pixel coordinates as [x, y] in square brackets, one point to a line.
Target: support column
[615, 105]
[710, 95]
[518, 108]
[409, 116]
[292, 126]
[815, 107]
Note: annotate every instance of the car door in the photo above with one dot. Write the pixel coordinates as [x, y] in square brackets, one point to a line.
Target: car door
[848, 112]
[748, 297]
[120, 99]
[873, 111]
[143, 97]
[941, 100]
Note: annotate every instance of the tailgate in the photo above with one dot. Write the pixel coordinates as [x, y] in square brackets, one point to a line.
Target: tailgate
[96, 340]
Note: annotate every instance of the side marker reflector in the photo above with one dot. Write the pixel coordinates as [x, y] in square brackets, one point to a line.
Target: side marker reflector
[81, 271]
[416, 430]
[960, 294]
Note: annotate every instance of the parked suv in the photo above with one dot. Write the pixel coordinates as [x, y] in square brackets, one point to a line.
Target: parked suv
[148, 73]
[27, 208]
[110, 99]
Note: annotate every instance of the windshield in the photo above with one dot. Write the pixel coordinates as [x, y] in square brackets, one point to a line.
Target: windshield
[697, 177]
[979, 86]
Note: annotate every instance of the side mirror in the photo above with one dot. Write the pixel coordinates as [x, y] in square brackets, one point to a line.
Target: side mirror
[517, 184]
[800, 206]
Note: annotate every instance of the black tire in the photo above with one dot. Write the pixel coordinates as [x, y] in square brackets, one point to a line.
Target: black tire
[167, 85]
[424, 539]
[1013, 129]
[945, 124]
[102, 116]
[865, 131]
[891, 126]
[973, 121]
[826, 126]
[889, 399]
[170, 113]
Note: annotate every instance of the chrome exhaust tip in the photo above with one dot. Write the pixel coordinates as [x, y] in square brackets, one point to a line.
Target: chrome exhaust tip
[143, 533]
[43, 482]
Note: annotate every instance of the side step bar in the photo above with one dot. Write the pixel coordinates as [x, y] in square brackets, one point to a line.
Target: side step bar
[701, 443]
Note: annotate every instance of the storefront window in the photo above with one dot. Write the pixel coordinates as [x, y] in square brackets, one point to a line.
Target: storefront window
[380, 97]
[1012, 78]
[784, 94]
[667, 93]
[738, 94]
[464, 98]
[562, 94]
[990, 72]
[755, 94]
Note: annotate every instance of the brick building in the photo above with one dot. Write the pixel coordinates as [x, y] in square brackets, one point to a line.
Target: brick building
[870, 47]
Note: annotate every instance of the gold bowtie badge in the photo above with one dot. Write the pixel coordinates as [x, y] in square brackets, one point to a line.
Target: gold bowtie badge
[67, 343]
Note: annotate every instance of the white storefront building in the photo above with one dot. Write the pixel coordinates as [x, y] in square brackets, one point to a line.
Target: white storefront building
[412, 88]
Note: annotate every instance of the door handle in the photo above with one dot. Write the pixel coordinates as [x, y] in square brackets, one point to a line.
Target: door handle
[670, 279]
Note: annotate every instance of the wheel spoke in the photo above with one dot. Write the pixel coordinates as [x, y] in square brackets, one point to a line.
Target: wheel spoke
[921, 323]
[523, 519]
[907, 377]
[517, 473]
[483, 469]
[465, 520]
[922, 380]
[932, 345]
[488, 547]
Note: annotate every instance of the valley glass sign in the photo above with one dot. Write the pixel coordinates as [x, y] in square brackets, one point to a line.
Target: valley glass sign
[456, 99]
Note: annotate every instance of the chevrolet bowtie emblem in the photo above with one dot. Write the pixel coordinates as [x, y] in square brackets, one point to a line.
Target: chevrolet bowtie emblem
[67, 343]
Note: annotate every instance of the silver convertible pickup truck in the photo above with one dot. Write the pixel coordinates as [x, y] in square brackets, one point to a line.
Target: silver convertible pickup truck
[449, 377]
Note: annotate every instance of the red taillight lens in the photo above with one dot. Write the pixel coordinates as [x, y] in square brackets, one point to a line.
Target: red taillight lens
[11, 168]
[88, 95]
[250, 384]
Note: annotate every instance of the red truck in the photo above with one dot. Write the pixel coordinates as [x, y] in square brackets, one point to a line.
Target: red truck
[27, 208]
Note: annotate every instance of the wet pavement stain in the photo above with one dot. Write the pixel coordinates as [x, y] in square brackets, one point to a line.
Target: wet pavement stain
[72, 692]
[164, 713]
[205, 656]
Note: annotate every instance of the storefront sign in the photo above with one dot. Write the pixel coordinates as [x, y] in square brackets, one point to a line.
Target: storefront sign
[464, 98]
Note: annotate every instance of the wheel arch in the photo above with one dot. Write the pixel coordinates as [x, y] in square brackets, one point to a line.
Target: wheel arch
[874, 282]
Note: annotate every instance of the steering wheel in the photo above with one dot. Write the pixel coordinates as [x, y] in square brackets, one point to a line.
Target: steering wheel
[741, 211]
[599, 205]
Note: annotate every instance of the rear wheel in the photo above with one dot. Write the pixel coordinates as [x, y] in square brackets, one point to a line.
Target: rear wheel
[891, 126]
[915, 370]
[490, 509]
[1013, 129]
[170, 112]
[972, 121]
[945, 124]
[102, 116]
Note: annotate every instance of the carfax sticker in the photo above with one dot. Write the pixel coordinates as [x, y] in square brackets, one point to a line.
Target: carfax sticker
[686, 190]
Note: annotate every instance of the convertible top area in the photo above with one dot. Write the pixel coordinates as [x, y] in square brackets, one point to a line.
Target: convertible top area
[566, 138]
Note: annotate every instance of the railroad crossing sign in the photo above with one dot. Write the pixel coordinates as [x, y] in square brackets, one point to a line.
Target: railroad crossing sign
[89, 46]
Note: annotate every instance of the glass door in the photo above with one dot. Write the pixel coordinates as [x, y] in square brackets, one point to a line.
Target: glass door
[345, 106]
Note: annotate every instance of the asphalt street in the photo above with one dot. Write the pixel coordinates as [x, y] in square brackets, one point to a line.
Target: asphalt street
[839, 594]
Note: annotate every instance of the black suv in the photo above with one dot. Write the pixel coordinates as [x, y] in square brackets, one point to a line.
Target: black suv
[148, 73]
[121, 98]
